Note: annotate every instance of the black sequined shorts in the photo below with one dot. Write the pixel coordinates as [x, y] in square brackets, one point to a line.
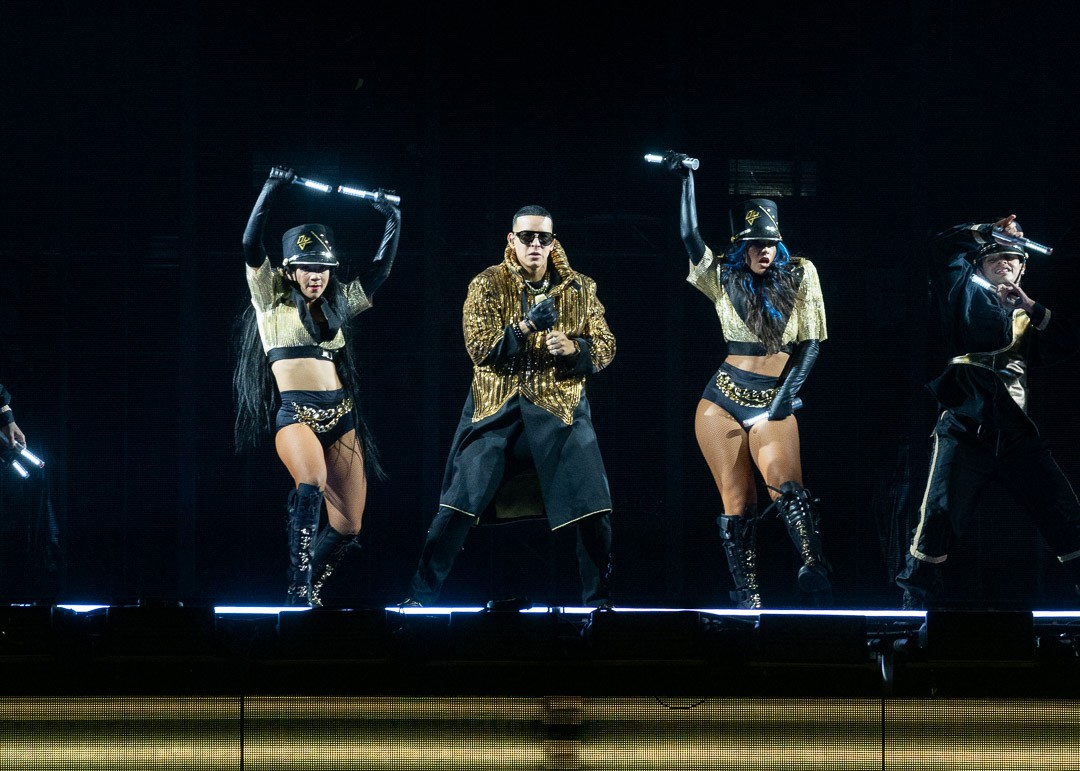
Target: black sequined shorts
[328, 413]
[742, 394]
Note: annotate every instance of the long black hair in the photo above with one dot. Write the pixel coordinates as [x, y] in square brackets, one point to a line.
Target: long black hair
[256, 394]
[768, 298]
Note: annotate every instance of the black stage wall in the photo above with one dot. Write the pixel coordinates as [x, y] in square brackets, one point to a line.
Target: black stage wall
[137, 136]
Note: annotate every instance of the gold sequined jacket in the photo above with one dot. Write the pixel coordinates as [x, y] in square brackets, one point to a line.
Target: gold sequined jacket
[279, 322]
[498, 297]
[807, 319]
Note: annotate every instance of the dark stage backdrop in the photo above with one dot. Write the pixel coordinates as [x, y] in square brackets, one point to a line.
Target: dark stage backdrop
[135, 141]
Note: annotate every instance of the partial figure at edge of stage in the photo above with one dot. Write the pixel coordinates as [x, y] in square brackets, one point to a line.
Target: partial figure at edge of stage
[984, 438]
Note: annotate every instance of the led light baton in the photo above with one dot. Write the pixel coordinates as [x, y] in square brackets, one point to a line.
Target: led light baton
[796, 403]
[357, 193]
[1024, 243]
[690, 163]
[321, 187]
[18, 467]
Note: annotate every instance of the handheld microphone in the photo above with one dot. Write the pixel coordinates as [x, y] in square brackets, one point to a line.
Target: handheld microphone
[690, 163]
[1024, 243]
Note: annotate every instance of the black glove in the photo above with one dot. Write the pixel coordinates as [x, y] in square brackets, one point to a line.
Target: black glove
[384, 257]
[673, 163]
[804, 359]
[688, 222]
[279, 177]
[543, 315]
[383, 206]
[254, 251]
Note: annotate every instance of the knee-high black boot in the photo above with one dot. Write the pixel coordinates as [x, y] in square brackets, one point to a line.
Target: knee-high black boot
[798, 509]
[329, 549]
[305, 505]
[740, 548]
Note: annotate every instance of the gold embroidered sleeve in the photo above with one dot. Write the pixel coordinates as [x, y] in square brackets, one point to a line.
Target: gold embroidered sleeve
[598, 332]
[356, 297]
[262, 284]
[810, 305]
[483, 321]
[705, 276]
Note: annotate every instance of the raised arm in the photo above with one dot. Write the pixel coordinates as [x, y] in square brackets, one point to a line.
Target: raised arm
[688, 221]
[254, 251]
[383, 261]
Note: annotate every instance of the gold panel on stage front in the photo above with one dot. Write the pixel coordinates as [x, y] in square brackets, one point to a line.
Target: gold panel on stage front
[303, 733]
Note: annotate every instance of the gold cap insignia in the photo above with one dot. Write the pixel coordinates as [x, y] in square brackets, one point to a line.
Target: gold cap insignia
[302, 241]
[751, 216]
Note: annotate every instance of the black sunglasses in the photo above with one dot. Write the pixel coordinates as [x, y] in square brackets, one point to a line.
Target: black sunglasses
[526, 237]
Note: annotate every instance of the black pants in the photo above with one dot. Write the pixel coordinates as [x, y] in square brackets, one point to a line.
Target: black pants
[446, 538]
[964, 464]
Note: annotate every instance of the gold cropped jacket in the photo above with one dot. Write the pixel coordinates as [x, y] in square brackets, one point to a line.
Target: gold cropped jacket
[279, 322]
[495, 300]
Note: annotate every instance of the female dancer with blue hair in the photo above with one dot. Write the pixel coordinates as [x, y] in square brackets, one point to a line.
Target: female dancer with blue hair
[772, 317]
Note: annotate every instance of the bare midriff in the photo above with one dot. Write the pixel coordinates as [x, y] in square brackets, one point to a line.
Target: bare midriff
[771, 366]
[306, 375]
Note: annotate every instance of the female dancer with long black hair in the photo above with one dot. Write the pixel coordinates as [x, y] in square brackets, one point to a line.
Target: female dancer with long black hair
[772, 317]
[295, 377]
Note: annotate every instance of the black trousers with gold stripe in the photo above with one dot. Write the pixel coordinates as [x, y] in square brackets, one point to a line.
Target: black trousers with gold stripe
[967, 464]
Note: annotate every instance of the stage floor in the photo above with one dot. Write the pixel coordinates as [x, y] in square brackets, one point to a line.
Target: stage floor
[162, 648]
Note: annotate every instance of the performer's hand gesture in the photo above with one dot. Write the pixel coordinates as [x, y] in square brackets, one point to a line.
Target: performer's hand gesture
[384, 206]
[1012, 296]
[558, 344]
[673, 162]
[1008, 225]
[542, 316]
[12, 435]
[280, 176]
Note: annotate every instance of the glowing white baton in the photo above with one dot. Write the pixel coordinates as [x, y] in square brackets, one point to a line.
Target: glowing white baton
[1024, 243]
[796, 403]
[357, 193]
[322, 188]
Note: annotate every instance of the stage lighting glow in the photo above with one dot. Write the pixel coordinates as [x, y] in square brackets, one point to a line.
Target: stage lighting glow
[35, 460]
[82, 608]
[355, 192]
[252, 610]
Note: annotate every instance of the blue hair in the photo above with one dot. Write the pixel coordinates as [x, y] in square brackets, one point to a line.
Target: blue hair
[770, 297]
